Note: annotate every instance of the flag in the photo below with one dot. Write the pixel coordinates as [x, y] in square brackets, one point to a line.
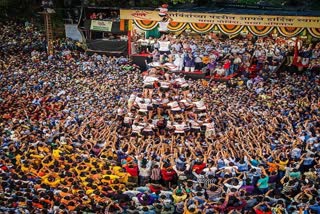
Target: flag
[130, 25]
[122, 25]
[296, 53]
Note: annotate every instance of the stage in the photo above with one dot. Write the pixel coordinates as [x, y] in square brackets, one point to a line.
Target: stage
[142, 59]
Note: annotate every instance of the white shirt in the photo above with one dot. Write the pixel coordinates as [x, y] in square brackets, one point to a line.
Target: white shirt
[220, 71]
[194, 124]
[127, 119]
[211, 170]
[200, 105]
[138, 100]
[178, 60]
[136, 128]
[144, 42]
[145, 171]
[177, 46]
[164, 45]
[143, 107]
[148, 80]
[174, 106]
[229, 186]
[209, 126]
[132, 98]
[179, 127]
[181, 82]
[163, 27]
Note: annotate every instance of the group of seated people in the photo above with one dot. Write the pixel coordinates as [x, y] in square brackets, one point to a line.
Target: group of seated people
[86, 133]
[104, 15]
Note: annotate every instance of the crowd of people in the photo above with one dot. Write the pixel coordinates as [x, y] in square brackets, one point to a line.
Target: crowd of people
[225, 57]
[94, 134]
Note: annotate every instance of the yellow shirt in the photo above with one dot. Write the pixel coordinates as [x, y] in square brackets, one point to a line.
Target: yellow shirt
[188, 212]
[116, 169]
[44, 149]
[89, 191]
[56, 153]
[24, 169]
[120, 186]
[283, 164]
[18, 159]
[40, 156]
[178, 199]
[54, 183]
[112, 177]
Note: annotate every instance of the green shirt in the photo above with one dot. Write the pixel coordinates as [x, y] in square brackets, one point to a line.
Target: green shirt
[295, 174]
[263, 182]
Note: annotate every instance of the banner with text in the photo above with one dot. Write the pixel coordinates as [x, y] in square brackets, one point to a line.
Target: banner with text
[226, 19]
[99, 25]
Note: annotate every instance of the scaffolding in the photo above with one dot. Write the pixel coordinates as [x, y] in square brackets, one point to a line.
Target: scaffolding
[49, 32]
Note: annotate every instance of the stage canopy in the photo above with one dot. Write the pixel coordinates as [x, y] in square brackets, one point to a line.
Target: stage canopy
[229, 24]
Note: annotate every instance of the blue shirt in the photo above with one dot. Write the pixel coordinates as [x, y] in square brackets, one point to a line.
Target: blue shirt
[254, 162]
[307, 161]
[315, 208]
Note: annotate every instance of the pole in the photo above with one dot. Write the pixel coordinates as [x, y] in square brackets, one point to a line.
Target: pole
[49, 33]
[129, 43]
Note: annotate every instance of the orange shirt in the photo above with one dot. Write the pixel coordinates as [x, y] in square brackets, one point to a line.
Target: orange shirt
[37, 205]
[47, 201]
[64, 201]
[71, 208]
[273, 167]
[205, 59]
[96, 176]
[64, 194]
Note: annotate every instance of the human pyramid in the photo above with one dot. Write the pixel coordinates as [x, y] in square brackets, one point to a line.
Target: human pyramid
[166, 107]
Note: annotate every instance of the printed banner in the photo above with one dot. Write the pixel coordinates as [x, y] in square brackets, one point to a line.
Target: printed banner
[226, 19]
[99, 25]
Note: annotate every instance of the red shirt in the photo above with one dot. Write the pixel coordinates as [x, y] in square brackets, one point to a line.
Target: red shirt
[262, 212]
[154, 188]
[227, 64]
[132, 171]
[199, 167]
[167, 175]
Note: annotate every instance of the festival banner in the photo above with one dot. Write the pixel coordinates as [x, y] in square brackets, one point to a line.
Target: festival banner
[315, 32]
[230, 29]
[289, 31]
[260, 30]
[201, 27]
[176, 26]
[146, 24]
[226, 19]
[99, 25]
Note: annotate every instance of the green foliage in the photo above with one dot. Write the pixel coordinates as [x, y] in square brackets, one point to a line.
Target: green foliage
[181, 1]
[247, 1]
